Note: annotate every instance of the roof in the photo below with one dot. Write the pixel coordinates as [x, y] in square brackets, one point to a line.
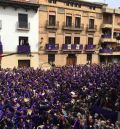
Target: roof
[84, 2]
[25, 4]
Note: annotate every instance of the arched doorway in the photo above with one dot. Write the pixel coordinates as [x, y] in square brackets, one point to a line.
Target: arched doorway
[71, 59]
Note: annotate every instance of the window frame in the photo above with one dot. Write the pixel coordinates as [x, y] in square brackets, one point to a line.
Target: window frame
[76, 41]
[52, 57]
[91, 25]
[68, 21]
[68, 41]
[23, 23]
[23, 38]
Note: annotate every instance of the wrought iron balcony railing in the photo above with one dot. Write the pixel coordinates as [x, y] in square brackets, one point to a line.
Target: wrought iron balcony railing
[72, 47]
[106, 50]
[92, 28]
[23, 49]
[90, 48]
[73, 27]
[23, 26]
[54, 25]
[52, 47]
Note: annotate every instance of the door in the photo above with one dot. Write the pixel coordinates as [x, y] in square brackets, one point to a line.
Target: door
[52, 40]
[106, 59]
[23, 63]
[102, 59]
[71, 59]
[89, 58]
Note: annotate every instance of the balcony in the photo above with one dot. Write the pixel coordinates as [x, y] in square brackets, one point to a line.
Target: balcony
[111, 51]
[91, 28]
[107, 25]
[107, 38]
[72, 47]
[23, 49]
[52, 47]
[78, 27]
[108, 10]
[106, 51]
[0, 24]
[90, 48]
[116, 50]
[23, 26]
[117, 11]
[1, 49]
[73, 27]
[52, 26]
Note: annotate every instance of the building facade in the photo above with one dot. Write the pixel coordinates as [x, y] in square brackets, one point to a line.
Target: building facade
[19, 33]
[64, 32]
[70, 31]
[110, 39]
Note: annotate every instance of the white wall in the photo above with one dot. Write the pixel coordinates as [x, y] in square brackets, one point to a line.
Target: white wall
[9, 33]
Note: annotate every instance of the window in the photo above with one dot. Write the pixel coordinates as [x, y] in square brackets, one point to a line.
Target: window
[23, 63]
[77, 22]
[67, 39]
[54, 1]
[67, 3]
[23, 20]
[76, 40]
[51, 58]
[51, 40]
[52, 20]
[68, 21]
[79, 5]
[94, 8]
[90, 7]
[89, 57]
[90, 40]
[71, 4]
[117, 36]
[49, 1]
[23, 41]
[75, 4]
[91, 23]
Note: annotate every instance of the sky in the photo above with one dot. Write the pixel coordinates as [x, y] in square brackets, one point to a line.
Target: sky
[111, 3]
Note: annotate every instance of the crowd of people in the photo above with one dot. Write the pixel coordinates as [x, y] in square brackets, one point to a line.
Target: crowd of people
[59, 98]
